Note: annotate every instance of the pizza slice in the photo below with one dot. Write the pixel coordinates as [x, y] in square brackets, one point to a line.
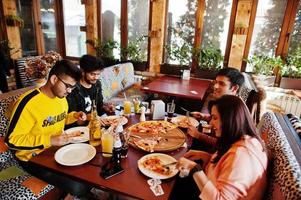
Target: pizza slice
[155, 164]
[146, 144]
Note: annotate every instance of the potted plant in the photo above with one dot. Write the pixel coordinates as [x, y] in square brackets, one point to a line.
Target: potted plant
[209, 61]
[291, 71]
[266, 68]
[134, 54]
[14, 20]
[104, 50]
[178, 52]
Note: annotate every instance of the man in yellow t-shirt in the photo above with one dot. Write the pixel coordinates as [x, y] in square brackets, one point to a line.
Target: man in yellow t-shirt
[38, 121]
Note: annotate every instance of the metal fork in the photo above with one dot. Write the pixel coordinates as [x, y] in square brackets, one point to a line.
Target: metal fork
[188, 118]
[169, 164]
[185, 110]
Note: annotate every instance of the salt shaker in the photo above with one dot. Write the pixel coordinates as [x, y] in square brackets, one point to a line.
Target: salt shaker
[142, 116]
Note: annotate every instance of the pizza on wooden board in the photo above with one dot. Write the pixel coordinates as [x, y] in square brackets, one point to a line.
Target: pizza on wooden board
[152, 127]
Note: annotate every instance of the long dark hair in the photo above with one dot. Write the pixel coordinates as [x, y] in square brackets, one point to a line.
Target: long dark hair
[236, 122]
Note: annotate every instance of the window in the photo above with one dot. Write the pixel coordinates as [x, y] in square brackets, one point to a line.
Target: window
[180, 31]
[74, 17]
[138, 17]
[48, 24]
[268, 22]
[111, 22]
[28, 35]
[216, 23]
[296, 34]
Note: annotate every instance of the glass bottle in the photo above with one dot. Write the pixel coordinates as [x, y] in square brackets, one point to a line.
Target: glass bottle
[94, 126]
[117, 149]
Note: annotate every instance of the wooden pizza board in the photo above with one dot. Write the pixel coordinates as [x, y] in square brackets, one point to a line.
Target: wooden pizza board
[169, 141]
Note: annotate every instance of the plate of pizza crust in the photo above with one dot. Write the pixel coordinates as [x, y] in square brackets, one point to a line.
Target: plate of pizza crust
[152, 165]
[182, 121]
[114, 119]
[156, 136]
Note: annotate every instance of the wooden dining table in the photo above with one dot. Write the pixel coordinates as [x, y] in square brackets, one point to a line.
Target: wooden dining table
[175, 86]
[130, 183]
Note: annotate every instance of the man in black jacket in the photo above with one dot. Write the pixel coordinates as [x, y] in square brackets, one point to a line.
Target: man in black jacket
[88, 89]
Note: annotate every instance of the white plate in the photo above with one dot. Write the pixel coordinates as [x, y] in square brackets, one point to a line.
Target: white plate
[78, 139]
[123, 121]
[178, 119]
[74, 154]
[165, 159]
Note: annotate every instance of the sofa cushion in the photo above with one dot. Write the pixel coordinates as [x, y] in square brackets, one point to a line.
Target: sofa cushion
[285, 169]
[115, 79]
[6, 102]
[4, 116]
[296, 123]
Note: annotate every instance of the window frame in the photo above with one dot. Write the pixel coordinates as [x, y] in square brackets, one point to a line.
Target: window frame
[282, 47]
[287, 28]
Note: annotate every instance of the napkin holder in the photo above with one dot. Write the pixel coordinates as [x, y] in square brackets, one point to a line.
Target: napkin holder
[186, 75]
[157, 109]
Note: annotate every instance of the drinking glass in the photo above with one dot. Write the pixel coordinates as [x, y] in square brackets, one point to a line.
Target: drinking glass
[136, 103]
[170, 110]
[107, 142]
[127, 107]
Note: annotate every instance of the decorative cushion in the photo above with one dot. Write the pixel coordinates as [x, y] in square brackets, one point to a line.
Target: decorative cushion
[115, 79]
[244, 93]
[21, 65]
[14, 189]
[15, 183]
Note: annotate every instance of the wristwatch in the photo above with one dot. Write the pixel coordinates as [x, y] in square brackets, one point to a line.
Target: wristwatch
[196, 168]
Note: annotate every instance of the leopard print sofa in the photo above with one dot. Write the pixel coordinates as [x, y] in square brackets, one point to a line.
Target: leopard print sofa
[15, 183]
[284, 167]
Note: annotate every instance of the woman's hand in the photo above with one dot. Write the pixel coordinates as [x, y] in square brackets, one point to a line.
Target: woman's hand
[197, 155]
[193, 132]
[197, 115]
[185, 163]
[201, 116]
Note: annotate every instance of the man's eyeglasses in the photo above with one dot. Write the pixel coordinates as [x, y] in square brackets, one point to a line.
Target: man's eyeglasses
[67, 85]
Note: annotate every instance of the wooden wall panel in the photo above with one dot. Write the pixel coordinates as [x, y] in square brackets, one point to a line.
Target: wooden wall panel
[158, 9]
[12, 32]
[91, 23]
[239, 41]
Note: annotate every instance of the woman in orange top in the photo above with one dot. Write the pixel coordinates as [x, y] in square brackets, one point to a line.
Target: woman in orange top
[237, 170]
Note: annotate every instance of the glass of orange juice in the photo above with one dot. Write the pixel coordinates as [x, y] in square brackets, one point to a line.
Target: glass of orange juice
[127, 107]
[107, 141]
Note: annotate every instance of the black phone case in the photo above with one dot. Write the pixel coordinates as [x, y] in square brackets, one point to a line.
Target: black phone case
[110, 169]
